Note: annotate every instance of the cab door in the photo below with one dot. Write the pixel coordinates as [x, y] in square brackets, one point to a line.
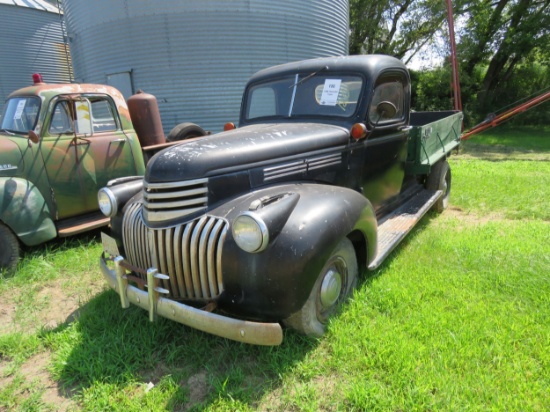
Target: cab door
[385, 149]
[83, 148]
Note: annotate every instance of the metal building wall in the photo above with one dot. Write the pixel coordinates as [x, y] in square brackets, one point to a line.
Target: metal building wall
[31, 41]
[195, 56]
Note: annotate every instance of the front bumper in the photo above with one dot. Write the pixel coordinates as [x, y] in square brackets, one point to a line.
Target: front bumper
[256, 333]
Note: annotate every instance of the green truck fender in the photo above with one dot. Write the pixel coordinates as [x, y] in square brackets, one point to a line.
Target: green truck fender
[24, 210]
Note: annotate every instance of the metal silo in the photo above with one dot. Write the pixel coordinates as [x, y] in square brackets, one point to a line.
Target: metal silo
[31, 40]
[196, 55]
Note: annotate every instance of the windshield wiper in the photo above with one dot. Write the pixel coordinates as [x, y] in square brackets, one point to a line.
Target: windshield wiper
[309, 76]
[7, 131]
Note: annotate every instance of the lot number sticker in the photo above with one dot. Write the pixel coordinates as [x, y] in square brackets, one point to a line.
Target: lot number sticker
[331, 90]
[19, 110]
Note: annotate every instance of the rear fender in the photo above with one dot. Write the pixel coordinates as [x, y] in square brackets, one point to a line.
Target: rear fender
[24, 210]
[277, 281]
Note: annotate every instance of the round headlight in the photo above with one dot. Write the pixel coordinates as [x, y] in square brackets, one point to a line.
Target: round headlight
[107, 202]
[250, 232]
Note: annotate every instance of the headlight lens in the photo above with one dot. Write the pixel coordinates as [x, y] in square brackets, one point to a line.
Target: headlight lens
[250, 232]
[107, 202]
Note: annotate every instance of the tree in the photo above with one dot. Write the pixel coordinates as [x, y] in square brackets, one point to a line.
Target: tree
[501, 35]
[397, 28]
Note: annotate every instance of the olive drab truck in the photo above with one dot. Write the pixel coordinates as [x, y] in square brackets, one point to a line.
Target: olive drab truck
[59, 144]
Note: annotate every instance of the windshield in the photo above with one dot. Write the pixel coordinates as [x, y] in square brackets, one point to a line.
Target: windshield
[20, 114]
[304, 95]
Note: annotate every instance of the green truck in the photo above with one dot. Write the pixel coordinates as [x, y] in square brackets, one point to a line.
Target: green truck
[59, 144]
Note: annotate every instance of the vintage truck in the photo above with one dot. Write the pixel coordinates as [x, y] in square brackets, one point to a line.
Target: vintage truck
[59, 144]
[270, 223]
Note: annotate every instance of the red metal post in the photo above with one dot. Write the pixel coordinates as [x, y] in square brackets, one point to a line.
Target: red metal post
[454, 62]
[495, 120]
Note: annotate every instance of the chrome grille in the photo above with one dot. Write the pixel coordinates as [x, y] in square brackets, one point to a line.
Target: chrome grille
[191, 254]
[165, 201]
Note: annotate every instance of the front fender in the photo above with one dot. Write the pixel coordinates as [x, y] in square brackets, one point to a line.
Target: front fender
[276, 282]
[24, 210]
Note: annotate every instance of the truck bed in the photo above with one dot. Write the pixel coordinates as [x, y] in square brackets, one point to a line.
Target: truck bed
[433, 135]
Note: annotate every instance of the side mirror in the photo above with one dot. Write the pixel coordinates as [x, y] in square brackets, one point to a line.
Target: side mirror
[33, 137]
[386, 110]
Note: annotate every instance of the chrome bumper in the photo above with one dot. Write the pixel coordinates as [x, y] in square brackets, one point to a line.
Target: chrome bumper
[256, 333]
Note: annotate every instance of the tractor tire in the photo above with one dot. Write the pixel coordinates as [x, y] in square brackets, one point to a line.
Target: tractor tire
[185, 131]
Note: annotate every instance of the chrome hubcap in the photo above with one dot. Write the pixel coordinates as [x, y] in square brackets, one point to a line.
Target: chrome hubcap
[331, 288]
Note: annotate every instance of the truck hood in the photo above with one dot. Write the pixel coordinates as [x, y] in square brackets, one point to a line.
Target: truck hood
[10, 157]
[240, 148]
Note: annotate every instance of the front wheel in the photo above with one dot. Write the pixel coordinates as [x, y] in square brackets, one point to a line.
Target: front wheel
[333, 286]
[440, 179]
[9, 252]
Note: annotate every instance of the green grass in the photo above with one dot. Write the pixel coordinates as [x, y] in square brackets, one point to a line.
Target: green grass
[524, 138]
[457, 319]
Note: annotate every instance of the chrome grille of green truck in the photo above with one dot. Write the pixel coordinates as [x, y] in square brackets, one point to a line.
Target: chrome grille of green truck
[190, 254]
[166, 201]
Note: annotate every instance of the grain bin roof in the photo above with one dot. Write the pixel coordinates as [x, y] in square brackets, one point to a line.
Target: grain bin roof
[32, 4]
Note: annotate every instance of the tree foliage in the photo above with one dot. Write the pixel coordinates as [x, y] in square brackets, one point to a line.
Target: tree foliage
[398, 28]
[503, 35]
[503, 47]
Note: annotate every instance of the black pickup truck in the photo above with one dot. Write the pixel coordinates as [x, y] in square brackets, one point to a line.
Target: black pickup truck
[270, 223]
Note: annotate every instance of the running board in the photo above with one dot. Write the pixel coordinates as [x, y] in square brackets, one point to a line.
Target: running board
[74, 226]
[395, 227]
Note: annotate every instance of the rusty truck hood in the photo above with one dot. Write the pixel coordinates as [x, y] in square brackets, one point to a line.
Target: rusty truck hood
[241, 149]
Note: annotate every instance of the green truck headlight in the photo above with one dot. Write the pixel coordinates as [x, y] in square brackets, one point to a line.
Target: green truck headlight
[250, 232]
[107, 202]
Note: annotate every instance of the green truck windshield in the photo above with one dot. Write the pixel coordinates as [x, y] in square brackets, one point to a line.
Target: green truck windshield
[20, 114]
[304, 95]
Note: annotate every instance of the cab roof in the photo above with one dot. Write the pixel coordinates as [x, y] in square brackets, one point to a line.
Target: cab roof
[371, 65]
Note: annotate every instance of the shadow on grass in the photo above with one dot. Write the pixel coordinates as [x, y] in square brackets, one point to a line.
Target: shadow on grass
[111, 346]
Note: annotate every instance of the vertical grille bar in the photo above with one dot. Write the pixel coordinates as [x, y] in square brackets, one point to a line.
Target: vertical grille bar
[211, 254]
[203, 243]
[185, 250]
[195, 270]
[178, 261]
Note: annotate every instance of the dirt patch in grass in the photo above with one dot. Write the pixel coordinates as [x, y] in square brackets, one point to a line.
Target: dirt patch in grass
[36, 369]
[36, 378]
[471, 150]
[472, 218]
[47, 306]
[198, 387]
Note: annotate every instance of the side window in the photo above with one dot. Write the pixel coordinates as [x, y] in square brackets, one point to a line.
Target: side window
[61, 119]
[103, 119]
[391, 91]
[262, 103]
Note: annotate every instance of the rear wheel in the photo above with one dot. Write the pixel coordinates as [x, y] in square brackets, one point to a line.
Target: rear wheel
[333, 286]
[185, 131]
[9, 252]
[440, 179]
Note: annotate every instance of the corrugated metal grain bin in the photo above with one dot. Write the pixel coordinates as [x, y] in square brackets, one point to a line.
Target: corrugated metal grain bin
[195, 56]
[31, 41]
